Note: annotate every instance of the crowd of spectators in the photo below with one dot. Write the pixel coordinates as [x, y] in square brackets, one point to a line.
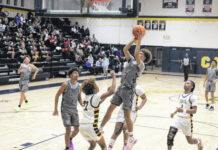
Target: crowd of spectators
[40, 39]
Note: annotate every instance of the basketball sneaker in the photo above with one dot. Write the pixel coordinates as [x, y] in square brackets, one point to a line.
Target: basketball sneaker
[207, 106]
[71, 145]
[26, 106]
[131, 142]
[200, 145]
[17, 109]
[211, 108]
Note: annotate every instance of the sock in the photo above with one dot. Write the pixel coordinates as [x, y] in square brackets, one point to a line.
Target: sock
[212, 104]
[19, 105]
[111, 143]
[130, 134]
[109, 148]
[207, 103]
[26, 101]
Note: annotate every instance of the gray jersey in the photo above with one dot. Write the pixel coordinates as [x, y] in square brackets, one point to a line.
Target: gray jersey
[212, 74]
[70, 97]
[131, 72]
[25, 75]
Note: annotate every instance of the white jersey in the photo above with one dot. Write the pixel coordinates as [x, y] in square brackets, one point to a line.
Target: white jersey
[139, 92]
[187, 101]
[186, 61]
[91, 109]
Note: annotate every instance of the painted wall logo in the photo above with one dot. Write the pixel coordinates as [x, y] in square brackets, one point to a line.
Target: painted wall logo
[205, 61]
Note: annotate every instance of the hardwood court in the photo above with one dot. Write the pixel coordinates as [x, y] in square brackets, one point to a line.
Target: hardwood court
[37, 129]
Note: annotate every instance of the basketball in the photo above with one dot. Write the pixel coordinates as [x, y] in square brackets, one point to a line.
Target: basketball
[138, 29]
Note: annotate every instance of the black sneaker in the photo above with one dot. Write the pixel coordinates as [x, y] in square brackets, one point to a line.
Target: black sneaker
[207, 106]
[211, 108]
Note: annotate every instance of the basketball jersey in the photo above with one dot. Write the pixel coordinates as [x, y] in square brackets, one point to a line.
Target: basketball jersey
[186, 61]
[91, 109]
[131, 71]
[25, 75]
[187, 101]
[139, 92]
[212, 73]
[70, 97]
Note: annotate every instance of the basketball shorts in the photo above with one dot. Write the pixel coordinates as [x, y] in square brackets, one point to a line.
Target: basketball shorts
[120, 116]
[90, 132]
[184, 124]
[210, 86]
[23, 85]
[70, 119]
[123, 95]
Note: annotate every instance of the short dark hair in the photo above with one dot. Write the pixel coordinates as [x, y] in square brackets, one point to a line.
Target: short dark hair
[88, 86]
[193, 85]
[214, 61]
[72, 70]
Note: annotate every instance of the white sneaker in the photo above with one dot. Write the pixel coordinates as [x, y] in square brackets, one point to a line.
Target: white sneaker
[17, 109]
[131, 142]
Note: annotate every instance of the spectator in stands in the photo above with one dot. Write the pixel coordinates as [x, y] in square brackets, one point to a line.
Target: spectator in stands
[98, 66]
[18, 20]
[22, 19]
[91, 59]
[116, 65]
[11, 52]
[22, 51]
[89, 66]
[105, 65]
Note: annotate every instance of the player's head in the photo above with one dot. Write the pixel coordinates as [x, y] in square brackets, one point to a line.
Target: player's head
[186, 55]
[144, 54]
[26, 60]
[189, 86]
[89, 86]
[213, 63]
[73, 73]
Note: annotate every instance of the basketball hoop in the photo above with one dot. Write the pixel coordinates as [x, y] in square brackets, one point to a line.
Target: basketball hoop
[100, 5]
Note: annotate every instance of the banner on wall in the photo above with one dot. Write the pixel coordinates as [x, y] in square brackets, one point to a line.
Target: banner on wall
[162, 25]
[170, 3]
[147, 24]
[190, 6]
[207, 6]
[154, 25]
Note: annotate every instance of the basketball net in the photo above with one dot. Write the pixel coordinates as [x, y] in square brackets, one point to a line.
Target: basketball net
[100, 5]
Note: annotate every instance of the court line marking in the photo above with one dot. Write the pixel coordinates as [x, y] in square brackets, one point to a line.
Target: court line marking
[37, 87]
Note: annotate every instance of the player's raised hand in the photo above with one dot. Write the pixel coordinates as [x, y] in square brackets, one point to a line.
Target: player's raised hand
[172, 115]
[112, 73]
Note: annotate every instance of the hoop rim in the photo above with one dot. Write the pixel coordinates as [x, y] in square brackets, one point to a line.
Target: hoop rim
[100, 1]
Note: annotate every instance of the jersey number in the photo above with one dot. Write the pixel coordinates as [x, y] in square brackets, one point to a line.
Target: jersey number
[86, 105]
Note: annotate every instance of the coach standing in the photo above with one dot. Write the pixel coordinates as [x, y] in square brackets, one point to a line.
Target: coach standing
[186, 63]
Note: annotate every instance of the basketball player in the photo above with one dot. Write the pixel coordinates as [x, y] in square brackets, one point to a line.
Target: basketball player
[89, 123]
[211, 78]
[126, 90]
[186, 63]
[25, 72]
[120, 124]
[71, 95]
[183, 116]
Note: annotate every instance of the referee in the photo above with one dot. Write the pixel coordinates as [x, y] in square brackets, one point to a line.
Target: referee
[186, 63]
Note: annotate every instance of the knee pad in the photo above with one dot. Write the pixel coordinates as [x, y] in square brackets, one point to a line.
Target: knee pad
[171, 136]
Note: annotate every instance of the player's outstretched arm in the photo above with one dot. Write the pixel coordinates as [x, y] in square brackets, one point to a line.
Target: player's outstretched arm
[144, 100]
[126, 49]
[60, 91]
[111, 89]
[137, 49]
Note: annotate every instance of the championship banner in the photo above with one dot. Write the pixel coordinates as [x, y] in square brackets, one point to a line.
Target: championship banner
[170, 3]
[207, 6]
[190, 6]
